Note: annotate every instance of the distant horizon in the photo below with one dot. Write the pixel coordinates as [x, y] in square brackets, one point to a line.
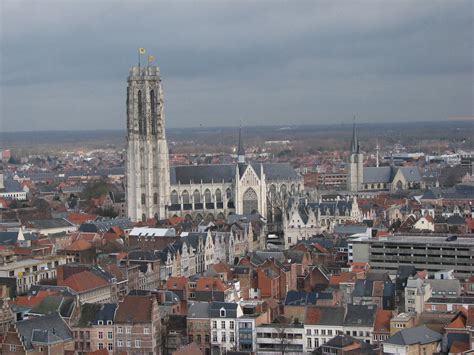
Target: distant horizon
[347, 125]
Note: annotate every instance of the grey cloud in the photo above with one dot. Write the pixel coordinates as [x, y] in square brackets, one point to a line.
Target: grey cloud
[270, 61]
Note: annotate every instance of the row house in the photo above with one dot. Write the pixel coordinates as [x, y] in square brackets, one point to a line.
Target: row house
[306, 219]
[223, 318]
[149, 268]
[29, 272]
[194, 253]
[94, 330]
[40, 335]
[138, 326]
[281, 338]
[91, 283]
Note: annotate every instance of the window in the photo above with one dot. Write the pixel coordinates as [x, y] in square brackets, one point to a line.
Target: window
[101, 335]
[231, 324]
[316, 332]
[100, 322]
[100, 346]
[110, 346]
[120, 330]
[222, 312]
[143, 199]
[223, 324]
[129, 344]
[120, 343]
[138, 343]
[12, 347]
[223, 337]
[214, 324]
[231, 337]
[198, 338]
[109, 335]
[206, 338]
[146, 330]
[214, 336]
[128, 330]
[329, 332]
[309, 343]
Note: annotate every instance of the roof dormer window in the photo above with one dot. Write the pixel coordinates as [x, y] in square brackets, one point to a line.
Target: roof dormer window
[222, 312]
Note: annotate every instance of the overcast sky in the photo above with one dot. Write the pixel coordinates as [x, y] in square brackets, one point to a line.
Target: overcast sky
[64, 63]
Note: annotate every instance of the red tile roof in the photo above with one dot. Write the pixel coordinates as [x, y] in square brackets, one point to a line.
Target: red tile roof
[31, 301]
[177, 283]
[83, 281]
[382, 320]
[135, 309]
[210, 283]
[79, 218]
[335, 280]
[79, 245]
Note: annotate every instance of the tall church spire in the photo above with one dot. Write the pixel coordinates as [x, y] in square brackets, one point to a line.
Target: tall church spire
[240, 150]
[354, 143]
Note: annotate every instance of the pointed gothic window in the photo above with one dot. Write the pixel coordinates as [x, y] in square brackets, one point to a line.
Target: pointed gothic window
[218, 195]
[155, 198]
[250, 201]
[153, 112]
[174, 197]
[185, 197]
[207, 196]
[196, 196]
[143, 199]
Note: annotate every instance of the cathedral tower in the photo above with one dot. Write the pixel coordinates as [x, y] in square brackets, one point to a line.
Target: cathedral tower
[355, 175]
[147, 161]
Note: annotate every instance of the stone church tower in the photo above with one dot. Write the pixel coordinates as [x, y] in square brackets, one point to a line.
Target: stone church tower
[147, 161]
[355, 174]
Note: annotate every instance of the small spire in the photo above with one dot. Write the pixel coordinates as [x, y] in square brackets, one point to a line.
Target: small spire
[240, 150]
[354, 143]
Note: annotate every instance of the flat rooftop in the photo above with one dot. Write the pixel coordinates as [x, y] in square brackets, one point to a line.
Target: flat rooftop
[464, 240]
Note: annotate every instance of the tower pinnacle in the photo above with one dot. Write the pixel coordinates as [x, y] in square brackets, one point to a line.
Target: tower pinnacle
[240, 150]
[354, 143]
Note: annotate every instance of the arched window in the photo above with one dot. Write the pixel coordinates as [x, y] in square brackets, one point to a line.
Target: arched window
[185, 197]
[196, 196]
[228, 193]
[250, 201]
[155, 198]
[218, 196]
[153, 112]
[143, 199]
[283, 190]
[174, 197]
[143, 218]
[140, 112]
[273, 192]
[399, 185]
[207, 196]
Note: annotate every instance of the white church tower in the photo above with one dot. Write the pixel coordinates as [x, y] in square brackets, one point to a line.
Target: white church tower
[355, 174]
[147, 161]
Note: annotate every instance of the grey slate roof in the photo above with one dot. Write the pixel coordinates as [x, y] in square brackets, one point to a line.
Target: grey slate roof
[206, 173]
[411, 174]
[199, 310]
[184, 174]
[50, 223]
[278, 171]
[53, 323]
[359, 315]
[421, 335]
[104, 225]
[382, 174]
[230, 309]
[8, 238]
